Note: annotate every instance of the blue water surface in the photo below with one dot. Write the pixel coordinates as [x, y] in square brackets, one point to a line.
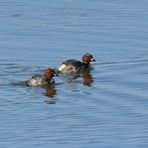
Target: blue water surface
[108, 108]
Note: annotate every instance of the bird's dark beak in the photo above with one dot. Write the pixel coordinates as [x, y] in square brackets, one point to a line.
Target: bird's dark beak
[56, 73]
[93, 60]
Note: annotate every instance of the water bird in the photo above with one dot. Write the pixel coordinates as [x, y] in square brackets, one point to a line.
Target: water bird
[41, 80]
[73, 66]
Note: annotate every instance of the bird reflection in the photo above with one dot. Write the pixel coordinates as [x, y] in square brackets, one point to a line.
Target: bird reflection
[50, 92]
[87, 79]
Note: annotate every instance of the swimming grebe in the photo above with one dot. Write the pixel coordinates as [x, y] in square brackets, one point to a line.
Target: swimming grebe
[73, 66]
[40, 80]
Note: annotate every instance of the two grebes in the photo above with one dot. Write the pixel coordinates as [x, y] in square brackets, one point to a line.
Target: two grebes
[69, 67]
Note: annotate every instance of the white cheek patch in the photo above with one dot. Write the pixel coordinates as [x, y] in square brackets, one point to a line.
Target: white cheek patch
[63, 66]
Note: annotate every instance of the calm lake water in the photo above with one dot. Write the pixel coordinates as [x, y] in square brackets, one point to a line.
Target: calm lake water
[108, 108]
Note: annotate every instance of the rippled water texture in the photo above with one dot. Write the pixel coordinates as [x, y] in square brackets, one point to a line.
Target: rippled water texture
[107, 107]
